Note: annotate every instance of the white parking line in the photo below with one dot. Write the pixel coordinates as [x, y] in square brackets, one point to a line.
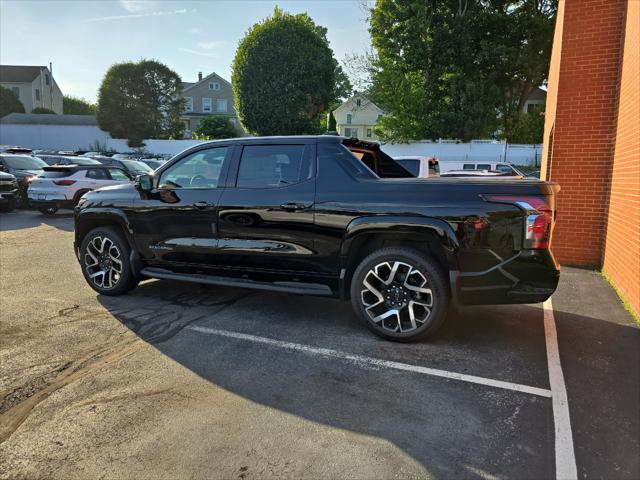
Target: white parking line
[375, 362]
[565, 456]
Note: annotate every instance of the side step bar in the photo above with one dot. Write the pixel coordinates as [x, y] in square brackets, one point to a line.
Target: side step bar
[288, 287]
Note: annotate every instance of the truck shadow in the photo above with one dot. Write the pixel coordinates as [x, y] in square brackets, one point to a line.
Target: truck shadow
[453, 429]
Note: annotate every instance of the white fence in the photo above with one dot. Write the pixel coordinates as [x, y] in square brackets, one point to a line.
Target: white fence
[81, 137]
[477, 150]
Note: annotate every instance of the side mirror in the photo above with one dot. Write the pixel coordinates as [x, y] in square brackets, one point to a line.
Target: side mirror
[2, 169]
[144, 183]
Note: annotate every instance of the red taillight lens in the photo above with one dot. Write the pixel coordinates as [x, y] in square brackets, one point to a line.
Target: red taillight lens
[64, 182]
[539, 218]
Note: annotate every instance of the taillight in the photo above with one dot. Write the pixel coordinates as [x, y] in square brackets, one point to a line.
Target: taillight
[539, 217]
[64, 182]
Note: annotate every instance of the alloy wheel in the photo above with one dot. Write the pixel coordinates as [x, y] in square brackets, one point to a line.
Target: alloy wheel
[103, 262]
[396, 296]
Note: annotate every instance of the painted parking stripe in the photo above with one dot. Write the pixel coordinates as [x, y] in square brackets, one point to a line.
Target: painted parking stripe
[375, 362]
[565, 455]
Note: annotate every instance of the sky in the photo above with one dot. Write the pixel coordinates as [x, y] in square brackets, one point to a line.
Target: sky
[82, 38]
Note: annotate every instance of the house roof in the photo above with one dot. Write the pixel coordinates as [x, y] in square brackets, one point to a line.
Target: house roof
[351, 100]
[204, 80]
[19, 73]
[47, 119]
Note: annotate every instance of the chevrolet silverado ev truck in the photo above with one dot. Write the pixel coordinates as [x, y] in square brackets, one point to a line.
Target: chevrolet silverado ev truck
[324, 215]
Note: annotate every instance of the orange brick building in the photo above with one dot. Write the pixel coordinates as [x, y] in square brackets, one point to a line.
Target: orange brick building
[592, 138]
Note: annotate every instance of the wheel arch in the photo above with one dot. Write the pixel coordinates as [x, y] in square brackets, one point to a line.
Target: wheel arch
[432, 236]
[89, 219]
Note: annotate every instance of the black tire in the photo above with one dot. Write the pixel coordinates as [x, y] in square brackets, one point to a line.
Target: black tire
[10, 206]
[107, 283]
[48, 210]
[401, 294]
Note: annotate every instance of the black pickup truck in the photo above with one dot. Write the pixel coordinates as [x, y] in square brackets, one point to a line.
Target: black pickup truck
[324, 215]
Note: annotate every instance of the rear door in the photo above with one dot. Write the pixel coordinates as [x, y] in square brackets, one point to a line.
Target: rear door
[266, 218]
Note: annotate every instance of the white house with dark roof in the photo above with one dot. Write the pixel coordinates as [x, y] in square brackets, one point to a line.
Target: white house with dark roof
[33, 85]
[210, 95]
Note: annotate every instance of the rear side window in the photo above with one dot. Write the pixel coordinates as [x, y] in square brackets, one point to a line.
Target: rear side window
[264, 166]
[468, 166]
[484, 166]
[56, 174]
[97, 174]
[411, 165]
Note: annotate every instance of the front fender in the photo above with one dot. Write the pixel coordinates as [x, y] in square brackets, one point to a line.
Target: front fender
[87, 219]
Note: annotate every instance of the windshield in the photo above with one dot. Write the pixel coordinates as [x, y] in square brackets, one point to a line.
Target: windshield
[136, 166]
[24, 162]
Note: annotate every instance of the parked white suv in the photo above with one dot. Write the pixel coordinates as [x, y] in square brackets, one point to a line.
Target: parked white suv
[419, 166]
[62, 186]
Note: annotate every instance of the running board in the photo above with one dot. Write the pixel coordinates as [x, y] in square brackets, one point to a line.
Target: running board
[288, 287]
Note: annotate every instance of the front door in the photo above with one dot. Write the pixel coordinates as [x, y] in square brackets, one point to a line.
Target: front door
[177, 223]
[266, 219]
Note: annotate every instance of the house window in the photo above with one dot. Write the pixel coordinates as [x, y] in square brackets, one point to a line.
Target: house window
[214, 86]
[16, 91]
[369, 132]
[37, 94]
[221, 105]
[188, 107]
[349, 116]
[358, 102]
[351, 132]
[47, 79]
[206, 104]
[379, 117]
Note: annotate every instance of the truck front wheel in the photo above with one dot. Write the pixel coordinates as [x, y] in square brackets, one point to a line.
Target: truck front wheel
[104, 257]
[400, 294]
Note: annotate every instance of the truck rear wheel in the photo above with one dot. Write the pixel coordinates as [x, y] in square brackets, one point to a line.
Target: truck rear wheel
[400, 294]
[104, 258]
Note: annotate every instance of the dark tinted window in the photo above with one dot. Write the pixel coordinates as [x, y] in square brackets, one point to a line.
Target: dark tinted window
[345, 158]
[434, 167]
[56, 174]
[413, 166]
[483, 166]
[468, 166]
[98, 174]
[274, 165]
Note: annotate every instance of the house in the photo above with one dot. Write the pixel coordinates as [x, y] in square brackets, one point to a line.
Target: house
[536, 98]
[211, 95]
[357, 118]
[33, 85]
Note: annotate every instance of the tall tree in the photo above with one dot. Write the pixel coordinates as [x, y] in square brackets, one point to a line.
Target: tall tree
[283, 75]
[215, 127]
[141, 100]
[77, 106]
[9, 102]
[457, 68]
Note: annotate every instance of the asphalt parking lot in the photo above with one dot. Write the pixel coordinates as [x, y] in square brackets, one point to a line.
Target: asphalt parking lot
[187, 381]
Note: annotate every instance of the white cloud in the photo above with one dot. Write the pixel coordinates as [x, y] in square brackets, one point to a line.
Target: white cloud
[211, 45]
[133, 6]
[137, 15]
[196, 52]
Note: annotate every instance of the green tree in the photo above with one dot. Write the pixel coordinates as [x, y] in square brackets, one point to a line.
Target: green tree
[77, 106]
[457, 68]
[528, 127]
[215, 127]
[9, 102]
[141, 100]
[43, 110]
[283, 75]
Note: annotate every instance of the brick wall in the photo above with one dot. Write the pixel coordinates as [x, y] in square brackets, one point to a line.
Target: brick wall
[622, 241]
[592, 138]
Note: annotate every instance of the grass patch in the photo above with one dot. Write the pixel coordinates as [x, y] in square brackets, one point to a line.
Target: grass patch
[622, 298]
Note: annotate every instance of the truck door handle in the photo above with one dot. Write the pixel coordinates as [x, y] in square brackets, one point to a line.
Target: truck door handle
[201, 205]
[292, 206]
